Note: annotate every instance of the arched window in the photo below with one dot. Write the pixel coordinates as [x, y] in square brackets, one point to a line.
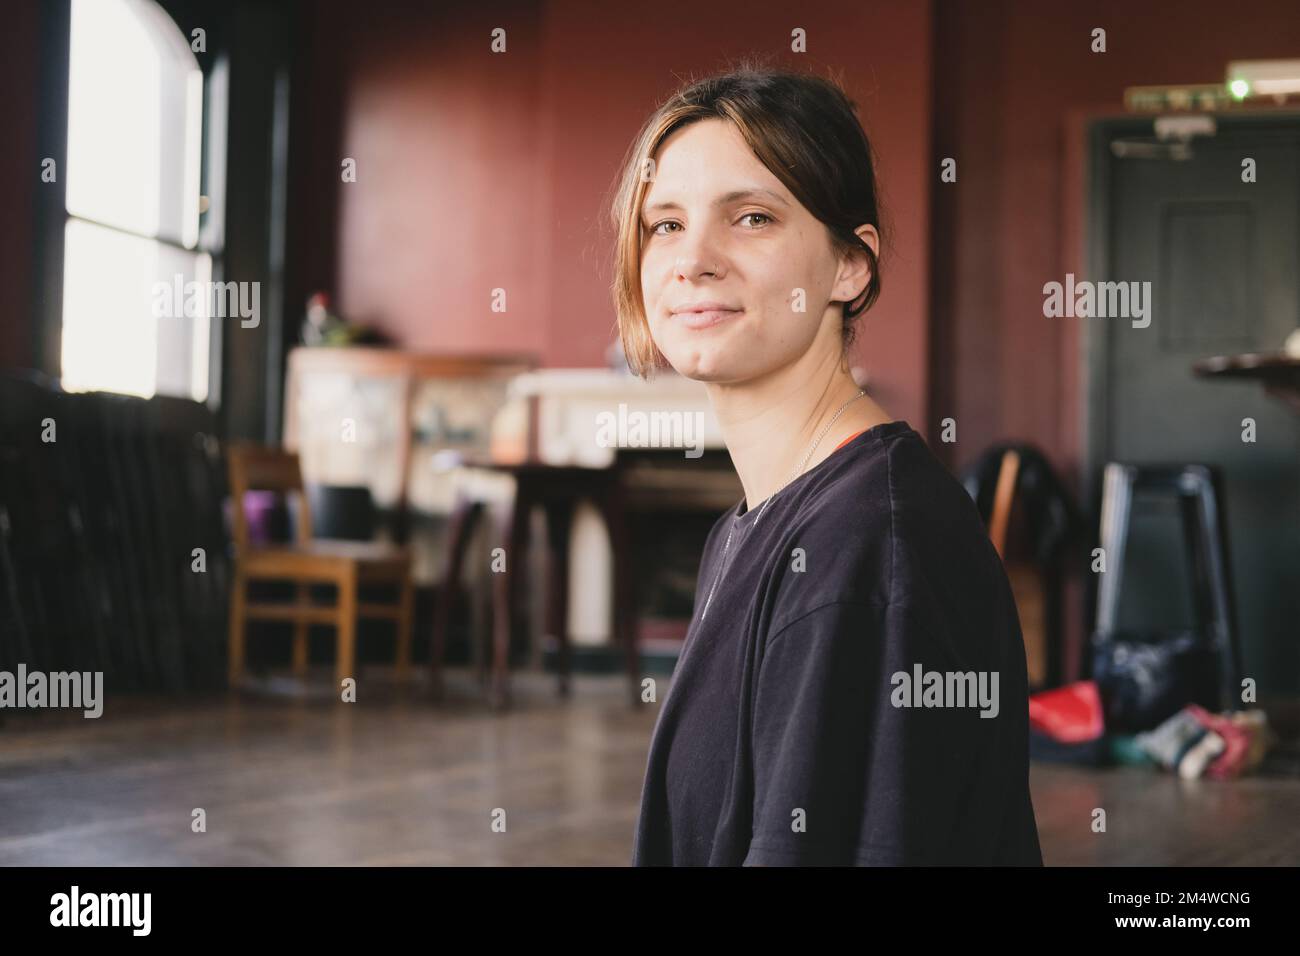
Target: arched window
[135, 105]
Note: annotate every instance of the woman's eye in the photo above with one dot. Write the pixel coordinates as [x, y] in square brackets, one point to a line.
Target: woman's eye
[656, 228]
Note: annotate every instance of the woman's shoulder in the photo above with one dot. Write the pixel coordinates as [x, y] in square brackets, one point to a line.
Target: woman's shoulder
[890, 525]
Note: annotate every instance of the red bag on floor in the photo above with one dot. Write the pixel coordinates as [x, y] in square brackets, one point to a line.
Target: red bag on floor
[1071, 714]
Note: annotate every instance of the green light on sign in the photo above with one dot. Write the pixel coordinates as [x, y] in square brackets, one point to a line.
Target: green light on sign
[1239, 89]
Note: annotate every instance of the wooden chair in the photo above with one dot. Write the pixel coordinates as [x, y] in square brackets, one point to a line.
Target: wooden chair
[348, 565]
[1028, 585]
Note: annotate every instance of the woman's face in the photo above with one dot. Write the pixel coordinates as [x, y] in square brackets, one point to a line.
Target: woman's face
[719, 229]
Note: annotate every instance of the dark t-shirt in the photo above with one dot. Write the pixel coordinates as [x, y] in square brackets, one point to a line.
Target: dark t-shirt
[784, 737]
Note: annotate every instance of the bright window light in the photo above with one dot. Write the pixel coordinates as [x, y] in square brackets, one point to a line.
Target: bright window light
[135, 103]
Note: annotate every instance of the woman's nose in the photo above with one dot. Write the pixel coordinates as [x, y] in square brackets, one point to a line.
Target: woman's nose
[698, 262]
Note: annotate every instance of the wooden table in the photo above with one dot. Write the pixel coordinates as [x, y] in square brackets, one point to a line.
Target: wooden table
[557, 490]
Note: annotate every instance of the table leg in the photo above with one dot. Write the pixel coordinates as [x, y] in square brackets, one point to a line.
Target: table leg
[463, 517]
[559, 522]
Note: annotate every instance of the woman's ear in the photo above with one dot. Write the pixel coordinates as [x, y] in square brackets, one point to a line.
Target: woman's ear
[855, 269]
[871, 237]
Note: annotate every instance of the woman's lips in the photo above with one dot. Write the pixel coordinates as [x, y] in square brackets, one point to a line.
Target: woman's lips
[706, 319]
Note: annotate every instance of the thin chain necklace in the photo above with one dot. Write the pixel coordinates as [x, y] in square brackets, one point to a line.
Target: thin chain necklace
[795, 474]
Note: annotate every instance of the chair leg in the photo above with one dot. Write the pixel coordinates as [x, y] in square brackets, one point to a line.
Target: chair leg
[615, 508]
[463, 517]
[559, 522]
[346, 624]
[404, 628]
[1116, 508]
[300, 632]
[501, 618]
[238, 598]
[508, 586]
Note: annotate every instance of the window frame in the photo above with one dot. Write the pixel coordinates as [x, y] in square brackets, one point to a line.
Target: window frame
[56, 35]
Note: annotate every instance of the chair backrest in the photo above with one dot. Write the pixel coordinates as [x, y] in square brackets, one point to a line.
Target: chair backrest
[1003, 497]
[254, 467]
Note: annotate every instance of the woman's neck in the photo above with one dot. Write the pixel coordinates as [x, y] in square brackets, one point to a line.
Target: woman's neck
[770, 423]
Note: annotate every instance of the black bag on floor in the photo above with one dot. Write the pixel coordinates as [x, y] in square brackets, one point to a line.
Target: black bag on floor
[1145, 678]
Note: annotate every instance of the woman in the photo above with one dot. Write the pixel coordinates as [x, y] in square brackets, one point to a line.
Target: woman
[852, 688]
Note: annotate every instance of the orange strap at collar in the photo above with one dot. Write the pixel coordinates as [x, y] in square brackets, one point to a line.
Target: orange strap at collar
[849, 439]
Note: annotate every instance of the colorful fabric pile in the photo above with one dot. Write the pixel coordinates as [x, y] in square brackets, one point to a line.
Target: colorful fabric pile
[1067, 725]
[1196, 743]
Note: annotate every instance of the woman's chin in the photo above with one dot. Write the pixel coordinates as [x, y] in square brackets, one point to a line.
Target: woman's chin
[698, 360]
[704, 367]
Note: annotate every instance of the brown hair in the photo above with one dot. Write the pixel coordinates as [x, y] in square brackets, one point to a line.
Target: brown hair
[801, 127]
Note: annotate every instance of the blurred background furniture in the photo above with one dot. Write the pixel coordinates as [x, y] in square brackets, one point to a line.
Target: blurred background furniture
[1033, 521]
[397, 423]
[345, 512]
[1278, 372]
[588, 418]
[348, 565]
[393, 421]
[624, 519]
[556, 490]
[442, 441]
[1202, 663]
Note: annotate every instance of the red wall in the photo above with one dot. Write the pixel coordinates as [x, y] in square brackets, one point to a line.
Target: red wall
[479, 170]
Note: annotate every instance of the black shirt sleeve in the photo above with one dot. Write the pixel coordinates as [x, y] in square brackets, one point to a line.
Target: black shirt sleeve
[841, 775]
